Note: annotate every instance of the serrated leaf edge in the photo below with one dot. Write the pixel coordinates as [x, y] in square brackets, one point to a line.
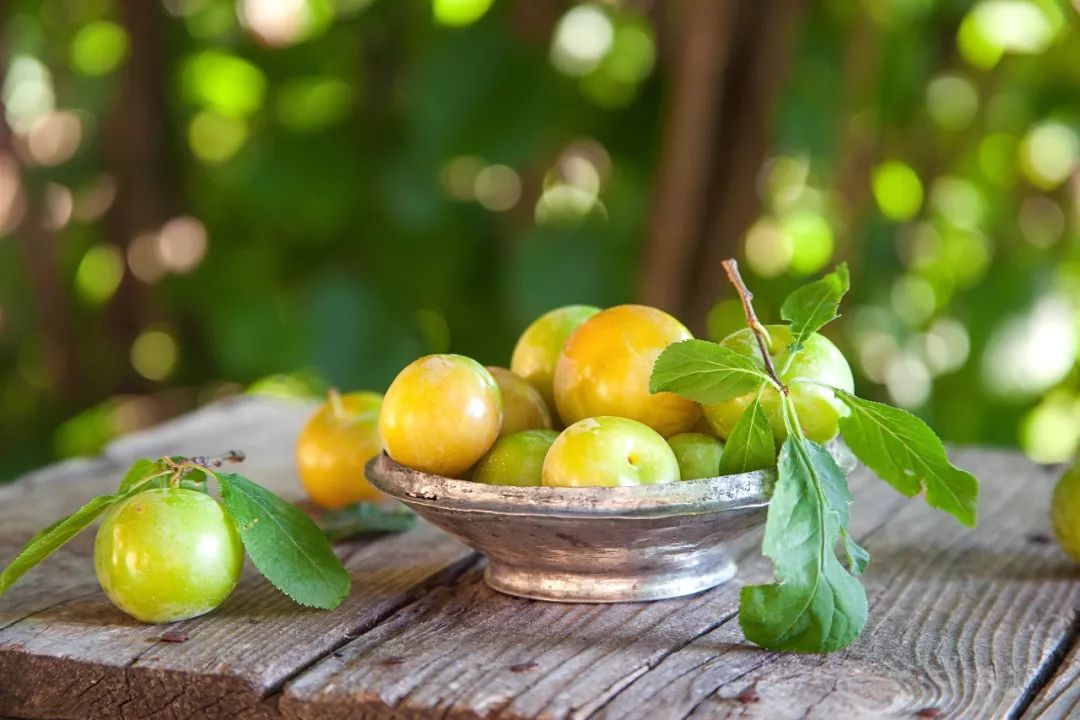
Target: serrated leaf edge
[348, 580]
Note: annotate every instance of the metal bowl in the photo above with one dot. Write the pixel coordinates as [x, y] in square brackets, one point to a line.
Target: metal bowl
[596, 544]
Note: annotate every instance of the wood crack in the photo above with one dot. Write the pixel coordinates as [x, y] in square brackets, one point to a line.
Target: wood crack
[650, 666]
[1049, 667]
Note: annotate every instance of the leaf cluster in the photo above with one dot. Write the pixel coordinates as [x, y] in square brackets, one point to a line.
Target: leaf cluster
[815, 604]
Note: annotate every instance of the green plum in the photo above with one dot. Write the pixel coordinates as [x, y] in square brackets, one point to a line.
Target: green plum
[168, 554]
[698, 454]
[1065, 512]
[609, 452]
[516, 459]
[538, 348]
[818, 408]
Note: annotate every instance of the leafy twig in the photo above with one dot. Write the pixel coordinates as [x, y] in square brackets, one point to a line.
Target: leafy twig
[731, 267]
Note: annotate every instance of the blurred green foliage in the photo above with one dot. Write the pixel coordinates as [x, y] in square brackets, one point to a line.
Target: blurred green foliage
[346, 185]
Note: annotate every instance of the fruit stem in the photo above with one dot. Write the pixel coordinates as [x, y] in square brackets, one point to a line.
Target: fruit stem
[336, 406]
[731, 267]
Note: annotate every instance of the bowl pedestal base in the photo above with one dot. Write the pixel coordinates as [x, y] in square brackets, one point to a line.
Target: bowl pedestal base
[560, 586]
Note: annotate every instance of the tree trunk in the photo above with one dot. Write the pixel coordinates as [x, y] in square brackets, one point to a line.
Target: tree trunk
[730, 65]
[136, 148]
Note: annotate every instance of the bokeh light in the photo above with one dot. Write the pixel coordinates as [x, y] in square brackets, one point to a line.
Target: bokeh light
[58, 204]
[1042, 221]
[811, 241]
[783, 180]
[313, 104]
[99, 274]
[143, 259]
[459, 176]
[952, 101]
[582, 38]
[995, 27]
[768, 251]
[1050, 432]
[1029, 353]
[459, 13]
[215, 138]
[181, 244]
[958, 201]
[497, 188]
[913, 299]
[947, 345]
[1049, 154]
[572, 187]
[226, 84]
[633, 51]
[908, 381]
[154, 354]
[99, 48]
[54, 137]
[898, 190]
[27, 92]
[275, 22]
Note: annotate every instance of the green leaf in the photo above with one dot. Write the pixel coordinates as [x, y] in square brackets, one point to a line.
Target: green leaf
[816, 605]
[906, 453]
[857, 556]
[364, 518]
[815, 305]
[704, 372]
[49, 540]
[141, 471]
[751, 445]
[285, 544]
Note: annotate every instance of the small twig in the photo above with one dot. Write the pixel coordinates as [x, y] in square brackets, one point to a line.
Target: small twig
[731, 267]
[219, 460]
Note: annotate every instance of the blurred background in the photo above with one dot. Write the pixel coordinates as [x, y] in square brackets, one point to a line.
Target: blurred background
[200, 198]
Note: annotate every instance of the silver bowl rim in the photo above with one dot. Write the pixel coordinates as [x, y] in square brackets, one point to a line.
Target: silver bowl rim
[745, 491]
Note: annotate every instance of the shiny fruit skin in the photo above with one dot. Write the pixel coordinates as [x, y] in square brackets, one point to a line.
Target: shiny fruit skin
[818, 408]
[1065, 512]
[516, 459]
[523, 406]
[538, 348]
[441, 414]
[698, 455]
[609, 452]
[168, 554]
[334, 446]
[604, 369]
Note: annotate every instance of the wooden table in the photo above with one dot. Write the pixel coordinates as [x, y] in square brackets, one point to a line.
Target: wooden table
[963, 623]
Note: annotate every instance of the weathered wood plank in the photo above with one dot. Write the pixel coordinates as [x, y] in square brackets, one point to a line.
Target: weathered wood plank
[467, 652]
[1056, 695]
[69, 653]
[1059, 698]
[960, 623]
[963, 623]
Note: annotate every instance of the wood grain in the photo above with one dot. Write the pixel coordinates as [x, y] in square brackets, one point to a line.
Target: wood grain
[462, 649]
[961, 622]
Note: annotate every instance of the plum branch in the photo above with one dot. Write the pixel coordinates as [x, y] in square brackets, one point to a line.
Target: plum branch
[731, 267]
